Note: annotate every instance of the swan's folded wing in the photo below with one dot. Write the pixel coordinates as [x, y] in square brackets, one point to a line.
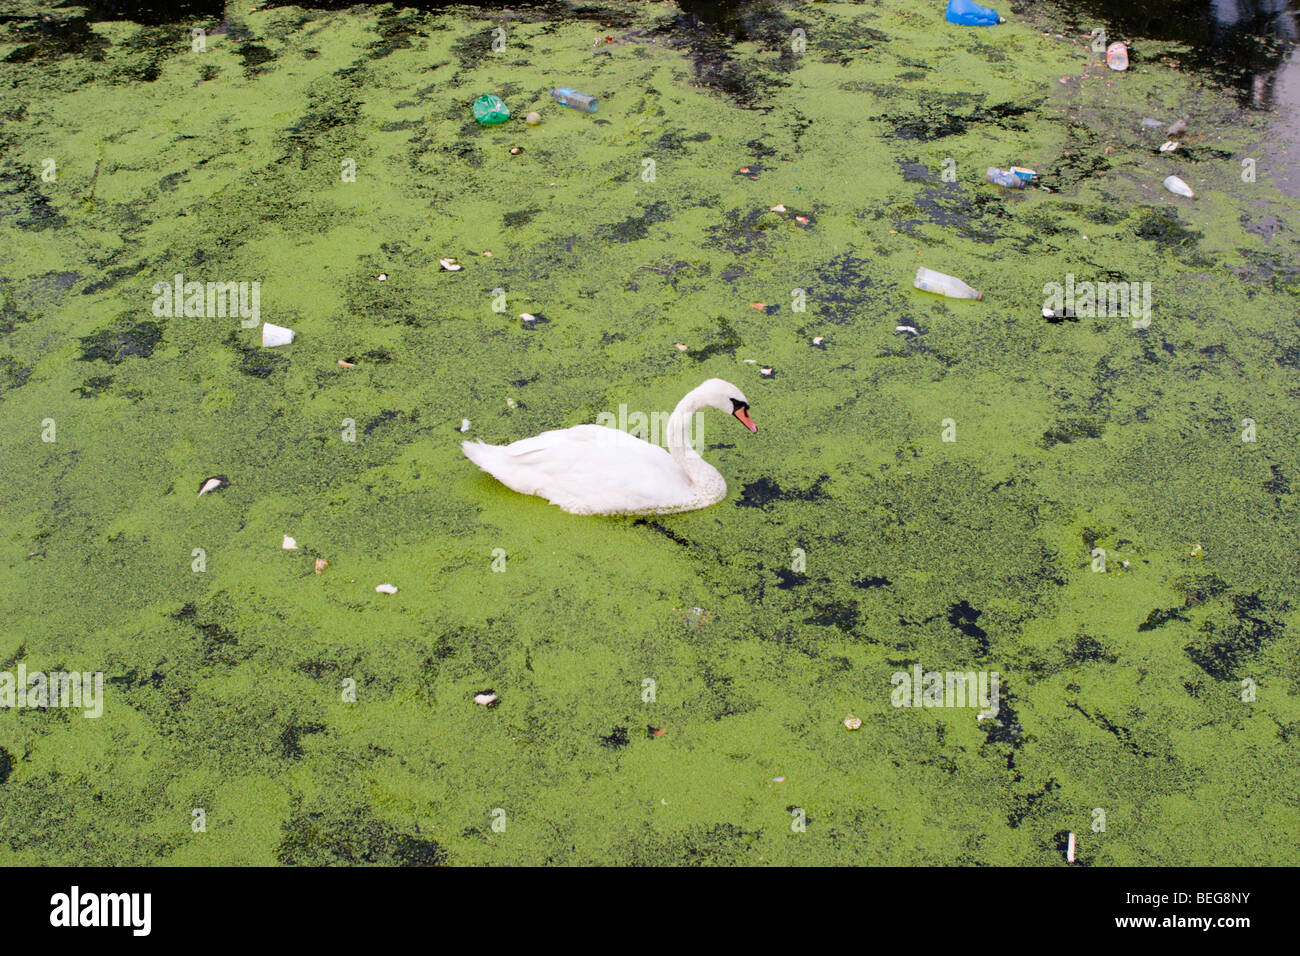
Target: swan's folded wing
[592, 469]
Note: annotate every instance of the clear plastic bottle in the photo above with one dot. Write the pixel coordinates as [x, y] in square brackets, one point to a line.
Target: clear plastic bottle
[574, 100]
[1004, 177]
[927, 280]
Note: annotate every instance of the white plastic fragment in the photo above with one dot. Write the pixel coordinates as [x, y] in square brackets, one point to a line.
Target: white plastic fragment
[385, 589]
[450, 264]
[288, 544]
[273, 335]
[486, 698]
[464, 424]
[1168, 146]
[1069, 850]
[1178, 187]
[852, 723]
[212, 484]
[906, 328]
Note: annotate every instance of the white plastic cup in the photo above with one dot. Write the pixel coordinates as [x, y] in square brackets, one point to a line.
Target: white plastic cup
[273, 335]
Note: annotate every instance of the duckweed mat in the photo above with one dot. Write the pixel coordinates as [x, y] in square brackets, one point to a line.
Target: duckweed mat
[1101, 512]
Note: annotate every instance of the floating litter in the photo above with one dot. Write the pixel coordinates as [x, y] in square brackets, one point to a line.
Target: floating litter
[778, 779]
[1069, 850]
[385, 589]
[1117, 56]
[321, 565]
[273, 335]
[1178, 187]
[766, 370]
[486, 698]
[464, 424]
[450, 264]
[288, 544]
[1176, 127]
[533, 119]
[1168, 147]
[906, 328]
[1152, 123]
[511, 403]
[215, 483]
[852, 723]
[818, 340]
[344, 363]
[527, 316]
[383, 277]
[778, 208]
[681, 347]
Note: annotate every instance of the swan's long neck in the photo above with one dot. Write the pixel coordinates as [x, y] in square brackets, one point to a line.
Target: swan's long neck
[698, 471]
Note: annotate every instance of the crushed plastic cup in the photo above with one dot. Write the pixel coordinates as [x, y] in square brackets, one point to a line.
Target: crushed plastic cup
[273, 335]
[1117, 56]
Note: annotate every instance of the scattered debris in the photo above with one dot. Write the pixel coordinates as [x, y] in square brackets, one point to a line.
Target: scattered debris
[288, 544]
[347, 363]
[383, 277]
[681, 347]
[516, 150]
[464, 424]
[527, 317]
[927, 280]
[511, 403]
[1178, 187]
[852, 723]
[1117, 56]
[487, 698]
[657, 732]
[1056, 318]
[321, 565]
[490, 110]
[450, 264]
[533, 119]
[575, 100]
[1176, 127]
[215, 483]
[778, 208]
[761, 306]
[1168, 146]
[778, 779]
[767, 371]
[819, 341]
[911, 329]
[1152, 123]
[385, 589]
[273, 335]
[1069, 849]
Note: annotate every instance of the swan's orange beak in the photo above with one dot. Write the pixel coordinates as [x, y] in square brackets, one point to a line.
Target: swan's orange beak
[742, 413]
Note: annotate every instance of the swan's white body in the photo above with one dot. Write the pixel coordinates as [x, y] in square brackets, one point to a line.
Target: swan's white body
[595, 470]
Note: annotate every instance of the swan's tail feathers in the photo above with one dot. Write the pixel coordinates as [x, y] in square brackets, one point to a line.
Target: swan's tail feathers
[482, 454]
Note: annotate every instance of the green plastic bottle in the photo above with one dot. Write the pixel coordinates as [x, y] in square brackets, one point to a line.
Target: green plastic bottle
[490, 110]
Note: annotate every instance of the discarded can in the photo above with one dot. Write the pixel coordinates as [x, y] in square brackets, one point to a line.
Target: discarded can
[1117, 56]
[927, 280]
[574, 100]
[1004, 177]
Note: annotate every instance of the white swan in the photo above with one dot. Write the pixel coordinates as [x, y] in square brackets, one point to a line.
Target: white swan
[596, 470]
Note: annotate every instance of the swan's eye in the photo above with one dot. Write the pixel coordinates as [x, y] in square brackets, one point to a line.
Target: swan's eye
[737, 404]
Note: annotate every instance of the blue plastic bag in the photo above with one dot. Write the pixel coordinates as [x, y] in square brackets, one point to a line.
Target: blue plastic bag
[971, 14]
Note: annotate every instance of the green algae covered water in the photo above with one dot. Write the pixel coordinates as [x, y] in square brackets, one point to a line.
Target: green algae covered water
[1100, 512]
